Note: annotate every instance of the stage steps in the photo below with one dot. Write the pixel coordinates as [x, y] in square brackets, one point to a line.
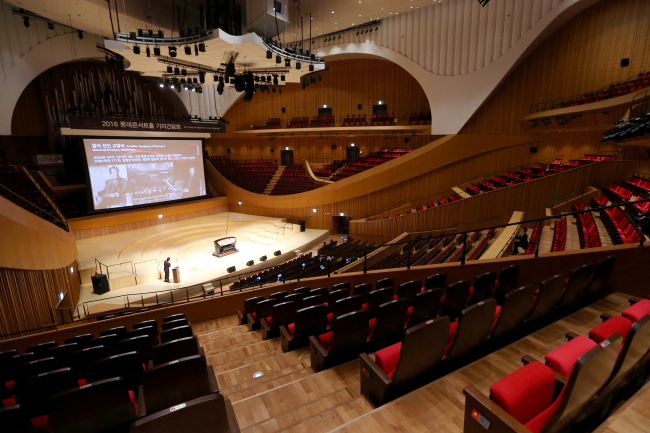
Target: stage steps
[274, 180]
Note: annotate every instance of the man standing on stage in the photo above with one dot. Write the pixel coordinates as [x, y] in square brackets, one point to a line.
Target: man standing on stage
[167, 266]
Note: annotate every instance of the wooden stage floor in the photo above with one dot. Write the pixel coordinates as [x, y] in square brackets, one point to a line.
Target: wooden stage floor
[190, 243]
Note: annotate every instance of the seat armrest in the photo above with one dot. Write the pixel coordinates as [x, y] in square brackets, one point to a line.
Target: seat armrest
[212, 379]
[571, 335]
[316, 347]
[371, 370]
[202, 352]
[478, 406]
[284, 333]
[264, 324]
[240, 314]
[605, 317]
[527, 359]
[141, 408]
[150, 364]
[375, 383]
[250, 318]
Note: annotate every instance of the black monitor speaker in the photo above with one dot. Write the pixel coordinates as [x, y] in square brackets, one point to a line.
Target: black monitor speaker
[284, 109]
[359, 106]
[333, 146]
[263, 258]
[100, 284]
[277, 253]
[249, 263]
[231, 269]
[302, 225]
[533, 150]
[625, 62]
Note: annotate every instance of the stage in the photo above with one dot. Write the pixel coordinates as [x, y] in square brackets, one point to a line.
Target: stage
[135, 258]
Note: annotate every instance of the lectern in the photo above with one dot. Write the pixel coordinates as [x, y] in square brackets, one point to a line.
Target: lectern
[176, 274]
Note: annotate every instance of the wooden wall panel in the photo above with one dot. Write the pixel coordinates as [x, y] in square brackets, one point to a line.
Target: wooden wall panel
[345, 85]
[495, 207]
[582, 56]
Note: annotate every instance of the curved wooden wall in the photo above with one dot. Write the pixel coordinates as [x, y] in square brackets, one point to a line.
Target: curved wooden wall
[582, 56]
[346, 84]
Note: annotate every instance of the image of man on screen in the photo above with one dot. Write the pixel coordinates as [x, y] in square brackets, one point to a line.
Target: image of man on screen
[113, 193]
[191, 186]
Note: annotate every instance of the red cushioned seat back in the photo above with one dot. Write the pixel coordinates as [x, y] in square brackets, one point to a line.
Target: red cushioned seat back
[474, 326]
[578, 281]
[413, 361]
[515, 309]
[425, 306]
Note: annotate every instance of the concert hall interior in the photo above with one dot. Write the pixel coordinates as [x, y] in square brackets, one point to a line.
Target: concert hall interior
[269, 216]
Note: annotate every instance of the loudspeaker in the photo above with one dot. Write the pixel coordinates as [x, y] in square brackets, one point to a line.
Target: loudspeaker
[263, 258]
[231, 269]
[359, 106]
[302, 225]
[277, 253]
[228, 150]
[625, 62]
[284, 110]
[205, 154]
[333, 146]
[249, 263]
[406, 139]
[100, 284]
[533, 150]
[272, 150]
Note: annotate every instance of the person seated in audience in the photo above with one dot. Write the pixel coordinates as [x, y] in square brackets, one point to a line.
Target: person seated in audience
[523, 242]
[642, 218]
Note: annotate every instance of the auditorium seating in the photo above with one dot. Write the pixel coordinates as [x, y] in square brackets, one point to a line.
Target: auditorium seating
[251, 174]
[587, 231]
[330, 169]
[19, 189]
[559, 235]
[639, 185]
[419, 119]
[382, 119]
[354, 120]
[630, 85]
[315, 122]
[293, 180]
[617, 194]
[272, 123]
[368, 162]
[534, 239]
[619, 225]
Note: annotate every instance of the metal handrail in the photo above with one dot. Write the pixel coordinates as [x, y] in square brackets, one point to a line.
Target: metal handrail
[135, 265]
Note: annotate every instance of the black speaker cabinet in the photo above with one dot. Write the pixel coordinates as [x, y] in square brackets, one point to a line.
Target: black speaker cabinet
[533, 150]
[302, 225]
[277, 253]
[231, 269]
[625, 63]
[100, 284]
[249, 263]
[263, 258]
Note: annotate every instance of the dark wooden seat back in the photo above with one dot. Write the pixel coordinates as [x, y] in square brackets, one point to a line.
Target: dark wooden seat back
[79, 339]
[110, 341]
[80, 361]
[8, 354]
[125, 365]
[385, 283]
[176, 333]
[309, 321]
[296, 298]
[175, 317]
[174, 324]
[62, 352]
[201, 415]
[378, 297]
[437, 281]
[346, 305]
[175, 349]
[632, 358]
[590, 373]
[414, 362]
[323, 291]
[118, 330]
[303, 290]
[149, 331]
[578, 281]
[483, 287]
[250, 305]
[362, 290]
[170, 384]
[507, 282]
[278, 295]
[334, 296]
[515, 309]
[474, 326]
[549, 295]
[102, 406]
[602, 272]
[34, 392]
[455, 299]
[389, 323]
[265, 308]
[425, 306]
[311, 301]
[15, 419]
[409, 290]
[40, 348]
[283, 313]
[151, 323]
[341, 286]
[141, 344]
[35, 367]
[349, 332]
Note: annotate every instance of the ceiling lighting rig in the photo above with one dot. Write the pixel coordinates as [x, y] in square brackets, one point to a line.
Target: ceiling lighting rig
[359, 30]
[291, 53]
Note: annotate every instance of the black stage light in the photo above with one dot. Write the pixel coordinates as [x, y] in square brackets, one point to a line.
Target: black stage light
[80, 34]
[269, 54]
[195, 81]
[140, 34]
[263, 78]
[136, 49]
[148, 51]
[202, 77]
[275, 80]
[311, 68]
[320, 77]
[26, 21]
[202, 47]
[199, 89]
[220, 87]
[177, 71]
[278, 59]
[169, 69]
[161, 34]
[215, 78]
[172, 51]
[188, 50]
[156, 51]
[297, 65]
[50, 26]
[196, 50]
[184, 71]
[282, 78]
[132, 35]
[357, 33]
[239, 83]
[268, 78]
[221, 79]
[182, 80]
[257, 78]
[287, 63]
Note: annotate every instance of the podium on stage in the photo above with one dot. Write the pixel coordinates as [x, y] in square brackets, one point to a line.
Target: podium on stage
[176, 275]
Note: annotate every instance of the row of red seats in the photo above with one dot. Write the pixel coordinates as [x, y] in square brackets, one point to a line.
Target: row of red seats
[534, 239]
[598, 158]
[251, 174]
[620, 227]
[638, 184]
[618, 89]
[559, 236]
[419, 119]
[587, 231]
[618, 193]
[480, 248]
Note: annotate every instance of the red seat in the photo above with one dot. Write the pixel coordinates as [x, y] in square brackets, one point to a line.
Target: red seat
[387, 358]
[564, 357]
[609, 327]
[326, 340]
[452, 334]
[637, 311]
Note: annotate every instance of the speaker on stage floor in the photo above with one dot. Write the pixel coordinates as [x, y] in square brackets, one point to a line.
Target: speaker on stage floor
[249, 263]
[100, 284]
[263, 258]
[301, 223]
[277, 253]
[231, 269]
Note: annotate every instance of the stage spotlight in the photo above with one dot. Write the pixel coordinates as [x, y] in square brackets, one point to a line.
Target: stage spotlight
[196, 50]
[311, 68]
[162, 85]
[268, 78]
[357, 33]
[275, 80]
[136, 50]
[177, 71]
[320, 77]
[287, 63]
[297, 65]
[148, 51]
[188, 50]
[199, 90]
[202, 47]
[182, 80]
[172, 51]
[184, 87]
[263, 79]
[156, 51]
[184, 71]
[80, 34]
[161, 34]
[195, 81]
[278, 59]
[26, 21]
[50, 26]
[193, 89]
[169, 69]
[178, 88]
[220, 87]
[269, 54]
[282, 78]
[239, 83]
